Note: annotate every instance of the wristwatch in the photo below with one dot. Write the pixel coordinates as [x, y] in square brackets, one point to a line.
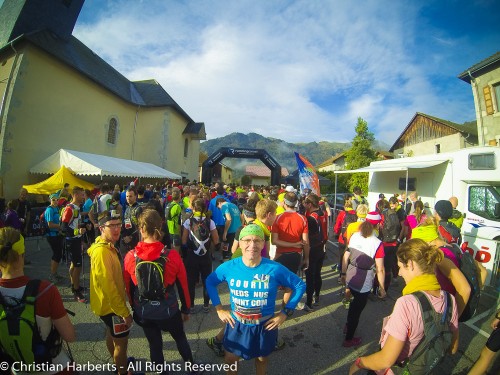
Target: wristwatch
[288, 312]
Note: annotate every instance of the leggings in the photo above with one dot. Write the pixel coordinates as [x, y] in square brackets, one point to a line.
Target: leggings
[196, 266]
[355, 309]
[174, 325]
[56, 244]
[313, 273]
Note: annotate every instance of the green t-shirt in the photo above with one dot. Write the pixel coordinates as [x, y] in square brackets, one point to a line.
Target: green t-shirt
[174, 226]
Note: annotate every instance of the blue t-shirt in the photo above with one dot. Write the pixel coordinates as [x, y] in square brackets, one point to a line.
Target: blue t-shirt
[217, 216]
[52, 216]
[234, 212]
[253, 290]
[86, 208]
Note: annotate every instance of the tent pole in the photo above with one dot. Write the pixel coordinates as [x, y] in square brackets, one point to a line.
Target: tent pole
[335, 202]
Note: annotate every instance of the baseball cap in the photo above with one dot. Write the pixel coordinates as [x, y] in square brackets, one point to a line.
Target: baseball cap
[290, 189]
[53, 196]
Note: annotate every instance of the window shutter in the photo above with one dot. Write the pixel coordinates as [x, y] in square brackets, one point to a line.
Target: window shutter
[488, 100]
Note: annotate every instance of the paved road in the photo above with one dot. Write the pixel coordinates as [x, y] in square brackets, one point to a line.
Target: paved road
[313, 339]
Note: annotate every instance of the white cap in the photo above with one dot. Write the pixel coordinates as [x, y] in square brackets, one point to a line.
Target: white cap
[290, 189]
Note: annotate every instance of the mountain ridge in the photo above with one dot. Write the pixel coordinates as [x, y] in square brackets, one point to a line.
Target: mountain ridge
[282, 151]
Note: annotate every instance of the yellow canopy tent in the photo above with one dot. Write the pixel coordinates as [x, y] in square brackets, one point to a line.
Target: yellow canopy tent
[57, 181]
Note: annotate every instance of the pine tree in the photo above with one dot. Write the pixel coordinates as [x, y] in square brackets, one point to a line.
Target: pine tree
[360, 155]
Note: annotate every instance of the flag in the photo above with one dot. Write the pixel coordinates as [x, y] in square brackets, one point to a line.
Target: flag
[307, 175]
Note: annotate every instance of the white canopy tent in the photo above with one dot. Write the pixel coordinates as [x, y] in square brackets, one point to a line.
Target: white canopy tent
[82, 163]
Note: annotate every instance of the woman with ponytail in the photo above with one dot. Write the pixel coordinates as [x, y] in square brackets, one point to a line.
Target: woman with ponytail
[198, 231]
[403, 330]
[150, 250]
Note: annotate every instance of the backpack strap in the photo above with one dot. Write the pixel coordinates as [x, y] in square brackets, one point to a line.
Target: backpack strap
[429, 315]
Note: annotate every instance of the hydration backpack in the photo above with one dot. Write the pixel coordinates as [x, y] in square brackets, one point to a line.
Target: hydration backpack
[168, 209]
[153, 298]
[468, 267]
[20, 338]
[348, 219]
[391, 227]
[199, 235]
[450, 232]
[431, 351]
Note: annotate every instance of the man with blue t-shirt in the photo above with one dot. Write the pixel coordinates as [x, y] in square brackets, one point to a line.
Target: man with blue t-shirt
[253, 281]
[232, 222]
[51, 216]
[216, 212]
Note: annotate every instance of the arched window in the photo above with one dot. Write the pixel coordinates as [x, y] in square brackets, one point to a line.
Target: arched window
[186, 144]
[112, 130]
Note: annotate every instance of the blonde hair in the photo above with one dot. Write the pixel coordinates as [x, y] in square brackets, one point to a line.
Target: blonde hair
[362, 210]
[8, 236]
[265, 206]
[421, 253]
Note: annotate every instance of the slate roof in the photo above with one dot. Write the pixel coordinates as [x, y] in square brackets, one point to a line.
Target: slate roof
[262, 171]
[78, 56]
[196, 129]
[481, 67]
[468, 128]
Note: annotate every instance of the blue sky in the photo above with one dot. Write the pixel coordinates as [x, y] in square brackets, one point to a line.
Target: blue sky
[300, 71]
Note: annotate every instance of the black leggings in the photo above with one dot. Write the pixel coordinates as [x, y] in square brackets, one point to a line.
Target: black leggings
[174, 326]
[390, 264]
[313, 273]
[196, 266]
[356, 307]
[56, 244]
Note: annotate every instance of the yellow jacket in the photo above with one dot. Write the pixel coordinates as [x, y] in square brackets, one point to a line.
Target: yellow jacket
[107, 288]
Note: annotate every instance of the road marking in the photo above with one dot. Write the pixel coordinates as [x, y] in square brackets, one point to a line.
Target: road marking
[470, 322]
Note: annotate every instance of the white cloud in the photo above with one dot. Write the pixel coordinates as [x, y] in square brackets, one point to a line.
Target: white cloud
[260, 66]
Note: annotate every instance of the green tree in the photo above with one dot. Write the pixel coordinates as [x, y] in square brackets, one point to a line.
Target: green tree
[360, 155]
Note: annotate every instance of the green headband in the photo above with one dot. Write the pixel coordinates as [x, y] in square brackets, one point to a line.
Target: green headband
[252, 230]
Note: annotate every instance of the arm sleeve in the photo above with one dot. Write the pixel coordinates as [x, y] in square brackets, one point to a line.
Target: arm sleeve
[295, 283]
[177, 273]
[380, 253]
[103, 272]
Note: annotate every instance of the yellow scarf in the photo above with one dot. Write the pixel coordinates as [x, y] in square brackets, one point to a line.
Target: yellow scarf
[427, 233]
[264, 228]
[422, 282]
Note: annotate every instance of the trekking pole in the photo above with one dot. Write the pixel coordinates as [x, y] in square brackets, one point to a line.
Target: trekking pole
[83, 266]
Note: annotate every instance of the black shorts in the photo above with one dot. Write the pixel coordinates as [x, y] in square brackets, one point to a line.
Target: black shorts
[493, 342]
[108, 320]
[74, 250]
[290, 261]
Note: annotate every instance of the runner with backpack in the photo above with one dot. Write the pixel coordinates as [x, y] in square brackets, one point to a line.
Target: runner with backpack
[199, 231]
[423, 326]
[458, 273]
[173, 212]
[33, 321]
[346, 217]
[150, 272]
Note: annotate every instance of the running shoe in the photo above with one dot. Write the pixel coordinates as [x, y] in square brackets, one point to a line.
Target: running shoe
[355, 341]
[316, 300]
[79, 296]
[307, 308]
[206, 309]
[216, 346]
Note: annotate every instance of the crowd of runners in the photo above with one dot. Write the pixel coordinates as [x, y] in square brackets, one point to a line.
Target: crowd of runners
[151, 246]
